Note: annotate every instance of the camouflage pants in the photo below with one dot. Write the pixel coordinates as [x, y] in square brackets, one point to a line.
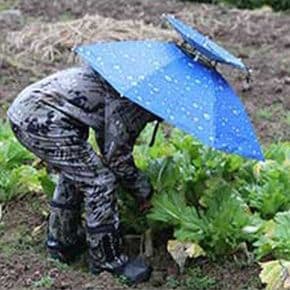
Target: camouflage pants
[82, 176]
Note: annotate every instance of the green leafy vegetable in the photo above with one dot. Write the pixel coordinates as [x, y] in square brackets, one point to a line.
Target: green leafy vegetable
[17, 174]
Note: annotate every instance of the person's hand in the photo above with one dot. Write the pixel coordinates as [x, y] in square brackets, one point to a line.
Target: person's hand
[145, 206]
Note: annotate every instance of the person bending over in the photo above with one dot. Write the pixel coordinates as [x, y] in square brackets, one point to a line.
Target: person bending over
[52, 118]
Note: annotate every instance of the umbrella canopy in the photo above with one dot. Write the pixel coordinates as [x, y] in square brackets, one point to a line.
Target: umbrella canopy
[163, 79]
[204, 45]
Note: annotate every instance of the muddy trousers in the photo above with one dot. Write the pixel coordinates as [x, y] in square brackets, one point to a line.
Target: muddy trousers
[83, 177]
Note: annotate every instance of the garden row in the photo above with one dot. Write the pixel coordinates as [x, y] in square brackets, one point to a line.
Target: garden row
[216, 204]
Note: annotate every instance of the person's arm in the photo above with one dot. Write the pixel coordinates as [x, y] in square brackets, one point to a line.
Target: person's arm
[124, 121]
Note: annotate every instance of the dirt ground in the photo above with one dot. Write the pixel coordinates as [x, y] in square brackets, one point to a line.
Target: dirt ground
[261, 38]
[24, 264]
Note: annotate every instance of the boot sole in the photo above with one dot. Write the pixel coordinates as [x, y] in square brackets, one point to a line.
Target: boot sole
[140, 279]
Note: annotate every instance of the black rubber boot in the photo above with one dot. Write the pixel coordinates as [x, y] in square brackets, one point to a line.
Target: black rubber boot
[105, 255]
[134, 271]
[66, 237]
[65, 253]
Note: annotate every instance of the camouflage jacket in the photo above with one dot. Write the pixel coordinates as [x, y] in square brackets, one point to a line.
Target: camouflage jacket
[89, 101]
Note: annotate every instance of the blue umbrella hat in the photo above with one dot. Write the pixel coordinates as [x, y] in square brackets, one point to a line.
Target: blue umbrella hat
[187, 93]
[203, 45]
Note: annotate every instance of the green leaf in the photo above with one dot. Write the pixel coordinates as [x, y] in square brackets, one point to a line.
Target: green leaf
[47, 183]
[276, 238]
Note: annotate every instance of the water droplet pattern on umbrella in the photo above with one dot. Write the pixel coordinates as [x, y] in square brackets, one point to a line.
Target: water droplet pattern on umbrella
[160, 77]
[204, 45]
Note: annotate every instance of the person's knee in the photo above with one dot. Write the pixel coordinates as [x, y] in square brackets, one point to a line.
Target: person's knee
[98, 179]
[108, 179]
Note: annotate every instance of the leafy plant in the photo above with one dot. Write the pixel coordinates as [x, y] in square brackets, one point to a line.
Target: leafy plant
[171, 208]
[226, 216]
[271, 191]
[129, 212]
[198, 281]
[279, 152]
[195, 280]
[12, 153]
[19, 180]
[275, 238]
[17, 173]
[217, 228]
[172, 282]
[211, 198]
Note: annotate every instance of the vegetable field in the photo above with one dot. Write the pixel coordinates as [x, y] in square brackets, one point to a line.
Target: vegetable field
[218, 221]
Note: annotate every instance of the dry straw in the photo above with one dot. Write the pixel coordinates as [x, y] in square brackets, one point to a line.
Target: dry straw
[44, 45]
[53, 42]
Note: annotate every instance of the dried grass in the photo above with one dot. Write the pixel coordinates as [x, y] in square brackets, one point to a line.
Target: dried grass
[230, 26]
[48, 46]
[51, 42]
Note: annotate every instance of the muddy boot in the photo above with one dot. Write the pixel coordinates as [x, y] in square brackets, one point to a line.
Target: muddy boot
[65, 253]
[66, 238]
[105, 255]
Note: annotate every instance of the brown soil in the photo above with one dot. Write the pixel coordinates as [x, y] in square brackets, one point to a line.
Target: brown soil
[55, 10]
[25, 265]
[23, 261]
[27, 270]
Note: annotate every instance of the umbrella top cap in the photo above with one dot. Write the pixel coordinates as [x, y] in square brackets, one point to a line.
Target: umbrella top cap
[203, 45]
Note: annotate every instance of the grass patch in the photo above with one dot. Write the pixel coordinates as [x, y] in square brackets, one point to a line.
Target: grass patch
[66, 16]
[59, 265]
[45, 282]
[194, 279]
[16, 240]
[7, 4]
[197, 280]
[265, 114]
[287, 118]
